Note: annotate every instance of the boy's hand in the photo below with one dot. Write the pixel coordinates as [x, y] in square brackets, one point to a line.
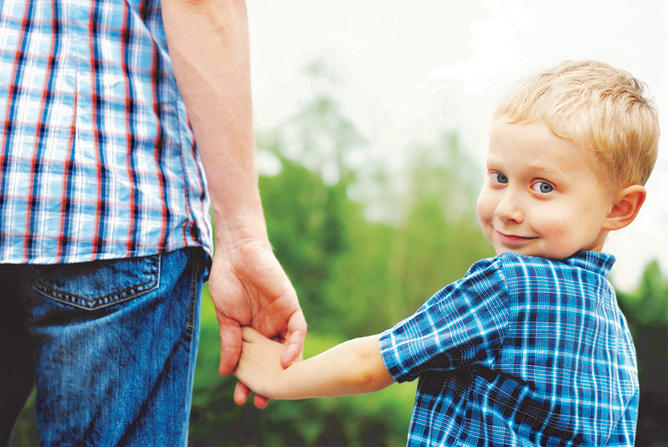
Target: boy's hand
[259, 367]
[353, 367]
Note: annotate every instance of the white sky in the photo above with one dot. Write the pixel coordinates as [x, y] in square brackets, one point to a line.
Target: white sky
[409, 70]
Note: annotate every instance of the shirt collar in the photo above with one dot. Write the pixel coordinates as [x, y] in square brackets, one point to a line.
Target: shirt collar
[593, 261]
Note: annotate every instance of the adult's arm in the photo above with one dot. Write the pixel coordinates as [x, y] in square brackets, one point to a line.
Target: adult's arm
[209, 48]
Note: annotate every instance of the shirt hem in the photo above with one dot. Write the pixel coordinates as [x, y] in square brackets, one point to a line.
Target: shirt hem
[105, 256]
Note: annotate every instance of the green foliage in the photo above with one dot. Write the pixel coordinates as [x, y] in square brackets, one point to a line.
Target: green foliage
[305, 222]
[438, 238]
[649, 304]
[646, 311]
[25, 431]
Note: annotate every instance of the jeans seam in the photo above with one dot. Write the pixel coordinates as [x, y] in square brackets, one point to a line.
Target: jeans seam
[193, 294]
[190, 338]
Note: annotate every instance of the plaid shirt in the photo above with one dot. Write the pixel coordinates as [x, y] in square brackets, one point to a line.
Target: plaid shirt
[521, 351]
[97, 159]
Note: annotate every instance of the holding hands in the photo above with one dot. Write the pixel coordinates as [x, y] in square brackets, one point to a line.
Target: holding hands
[260, 367]
[249, 288]
[353, 367]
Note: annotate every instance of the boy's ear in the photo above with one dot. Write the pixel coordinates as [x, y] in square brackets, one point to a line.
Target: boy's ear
[625, 208]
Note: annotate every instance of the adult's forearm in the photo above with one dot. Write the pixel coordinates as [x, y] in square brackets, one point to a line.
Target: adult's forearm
[353, 367]
[209, 48]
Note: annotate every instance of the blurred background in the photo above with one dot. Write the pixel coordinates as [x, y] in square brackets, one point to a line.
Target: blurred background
[371, 125]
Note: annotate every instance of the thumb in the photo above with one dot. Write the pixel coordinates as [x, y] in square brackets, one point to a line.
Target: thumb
[294, 339]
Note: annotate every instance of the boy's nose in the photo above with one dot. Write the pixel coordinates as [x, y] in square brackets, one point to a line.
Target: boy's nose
[508, 209]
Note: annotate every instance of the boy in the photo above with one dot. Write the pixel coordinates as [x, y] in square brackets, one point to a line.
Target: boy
[529, 347]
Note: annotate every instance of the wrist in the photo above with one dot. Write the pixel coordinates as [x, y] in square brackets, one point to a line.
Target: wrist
[282, 388]
[279, 391]
[239, 230]
[273, 386]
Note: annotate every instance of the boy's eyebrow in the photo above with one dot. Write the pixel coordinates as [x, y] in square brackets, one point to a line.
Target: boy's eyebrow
[539, 168]
[551, 170]
[491, 161]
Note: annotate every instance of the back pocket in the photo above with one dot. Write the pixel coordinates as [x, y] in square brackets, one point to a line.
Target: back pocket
[94, 285]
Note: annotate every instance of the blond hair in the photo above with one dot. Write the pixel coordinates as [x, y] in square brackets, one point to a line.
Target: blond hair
[597, 107]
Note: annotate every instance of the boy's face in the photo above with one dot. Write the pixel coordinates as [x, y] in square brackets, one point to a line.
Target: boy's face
[541, 197]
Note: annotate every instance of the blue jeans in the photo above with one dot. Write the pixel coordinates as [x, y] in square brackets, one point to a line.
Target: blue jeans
[110, 346]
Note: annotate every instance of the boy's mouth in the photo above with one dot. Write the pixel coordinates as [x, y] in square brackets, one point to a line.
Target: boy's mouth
[513, 239]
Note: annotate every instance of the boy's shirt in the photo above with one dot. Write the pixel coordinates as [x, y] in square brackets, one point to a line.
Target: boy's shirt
[520, 351]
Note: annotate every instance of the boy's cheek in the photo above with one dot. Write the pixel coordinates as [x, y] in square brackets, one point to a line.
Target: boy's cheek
[480, 208]
[481, 199]
[484, 208]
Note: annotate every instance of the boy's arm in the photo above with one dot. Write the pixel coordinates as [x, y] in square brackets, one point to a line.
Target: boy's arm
[353, 367]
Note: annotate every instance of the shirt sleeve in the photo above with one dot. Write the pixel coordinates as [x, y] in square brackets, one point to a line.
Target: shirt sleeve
[462, 324]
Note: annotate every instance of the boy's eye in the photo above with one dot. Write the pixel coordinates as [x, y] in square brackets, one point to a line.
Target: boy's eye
[542, 187]
[499, 178]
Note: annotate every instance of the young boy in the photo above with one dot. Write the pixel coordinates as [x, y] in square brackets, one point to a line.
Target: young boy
[529, 347]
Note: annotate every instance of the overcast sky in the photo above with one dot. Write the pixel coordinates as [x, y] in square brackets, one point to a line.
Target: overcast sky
[409, 70]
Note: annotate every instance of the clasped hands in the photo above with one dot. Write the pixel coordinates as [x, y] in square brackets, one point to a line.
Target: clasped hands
[249, 288]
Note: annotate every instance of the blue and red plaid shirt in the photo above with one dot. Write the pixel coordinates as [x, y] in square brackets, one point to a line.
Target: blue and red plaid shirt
[97, 159]
[522, 351]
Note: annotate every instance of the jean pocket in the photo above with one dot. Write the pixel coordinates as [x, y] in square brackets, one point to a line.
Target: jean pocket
[98, 284]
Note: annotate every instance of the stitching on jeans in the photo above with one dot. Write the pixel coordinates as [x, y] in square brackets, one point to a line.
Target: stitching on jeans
[196, 272]
[107, 300]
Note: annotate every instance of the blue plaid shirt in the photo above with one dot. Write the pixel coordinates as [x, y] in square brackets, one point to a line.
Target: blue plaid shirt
[97, 159]
[521, 351]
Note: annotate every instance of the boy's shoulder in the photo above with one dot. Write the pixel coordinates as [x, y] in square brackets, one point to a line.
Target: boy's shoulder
[509, 261]
[579, 265]
[521, 279]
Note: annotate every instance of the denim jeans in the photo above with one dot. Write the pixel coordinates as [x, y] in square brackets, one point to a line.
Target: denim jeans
[110, 346]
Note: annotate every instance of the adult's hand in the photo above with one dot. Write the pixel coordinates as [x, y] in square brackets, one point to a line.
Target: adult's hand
[249, 288]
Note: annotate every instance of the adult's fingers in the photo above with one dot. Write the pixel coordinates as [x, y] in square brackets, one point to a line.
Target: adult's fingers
[230, 345]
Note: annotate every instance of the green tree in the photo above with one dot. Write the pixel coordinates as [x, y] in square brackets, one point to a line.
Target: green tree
[646, 311]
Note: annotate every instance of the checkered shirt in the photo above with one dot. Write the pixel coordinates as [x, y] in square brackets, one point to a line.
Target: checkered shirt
[521, 351]
[97, 159]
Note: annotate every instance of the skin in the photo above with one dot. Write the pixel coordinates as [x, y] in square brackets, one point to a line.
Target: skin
[208, 44]
[353, 367]
[542, 197]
